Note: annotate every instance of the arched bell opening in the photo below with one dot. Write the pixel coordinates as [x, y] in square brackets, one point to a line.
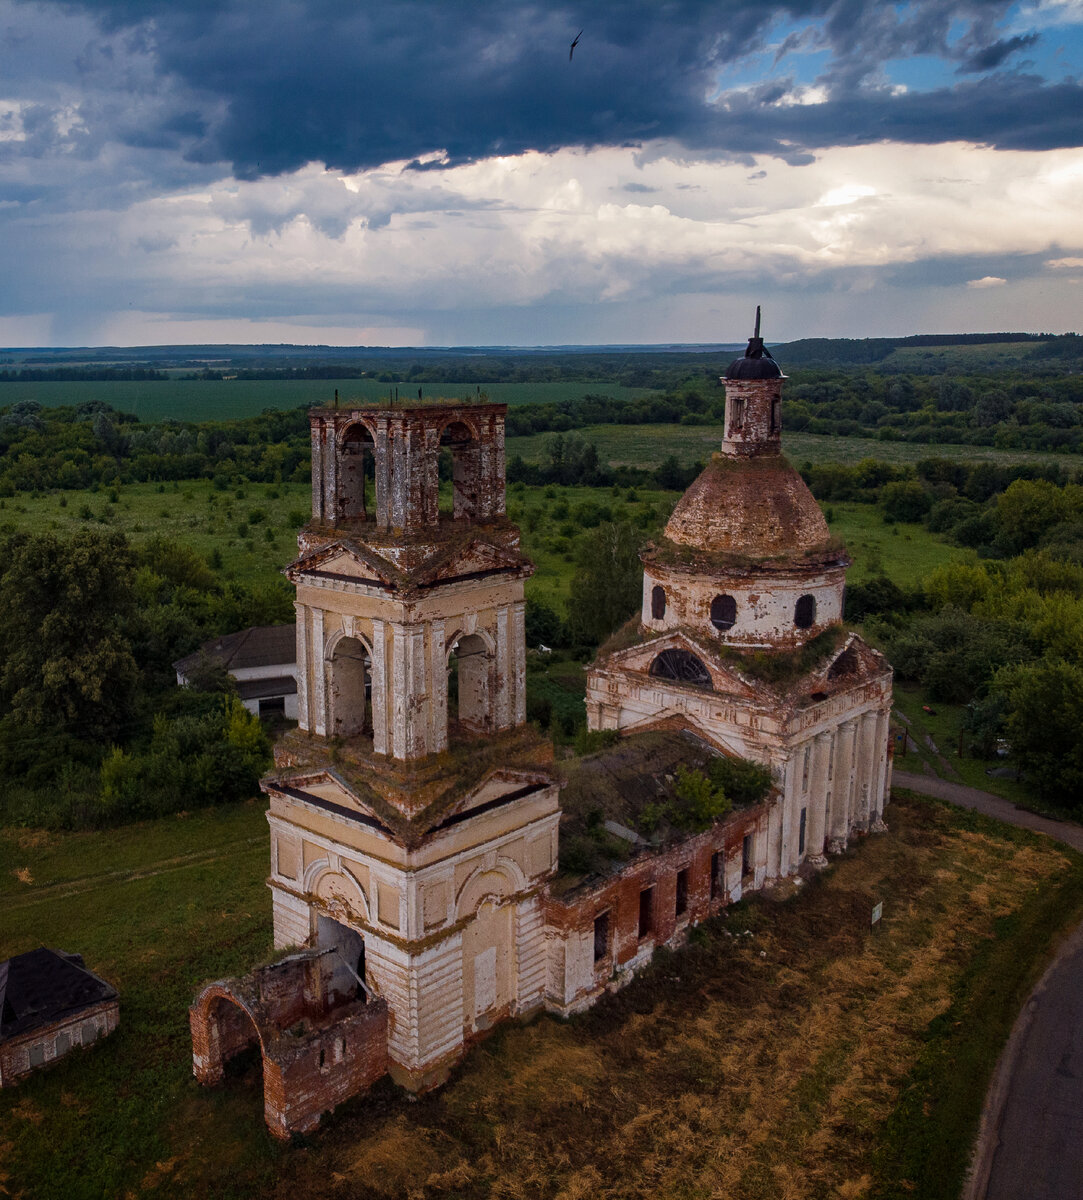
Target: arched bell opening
[357, 466]
[683, 667]
[460, 461]
[350, 689]
[470, 684]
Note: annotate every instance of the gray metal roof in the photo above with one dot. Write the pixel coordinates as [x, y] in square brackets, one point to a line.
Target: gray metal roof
[43, 986]
[258, 646]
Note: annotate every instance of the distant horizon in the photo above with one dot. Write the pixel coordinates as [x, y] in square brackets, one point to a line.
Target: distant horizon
[541, 347]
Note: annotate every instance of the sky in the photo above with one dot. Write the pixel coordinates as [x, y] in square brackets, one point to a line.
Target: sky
[445, 172]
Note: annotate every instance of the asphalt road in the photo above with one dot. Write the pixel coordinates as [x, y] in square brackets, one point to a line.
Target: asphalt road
[1030, 1146]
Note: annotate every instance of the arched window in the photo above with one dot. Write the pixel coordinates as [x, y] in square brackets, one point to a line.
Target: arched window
[723, 612]
[681, 667]
[658, 602]
[458, 440]
[355, 468]
[804, 612]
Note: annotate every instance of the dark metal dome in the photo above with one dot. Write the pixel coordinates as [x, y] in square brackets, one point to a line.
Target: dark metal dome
[756, 363]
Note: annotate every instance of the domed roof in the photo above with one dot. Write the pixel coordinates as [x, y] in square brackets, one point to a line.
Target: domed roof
[756, 363]
[751, 508]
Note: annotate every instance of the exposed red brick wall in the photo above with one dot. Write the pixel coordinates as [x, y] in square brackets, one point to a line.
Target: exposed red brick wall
[315, 1055]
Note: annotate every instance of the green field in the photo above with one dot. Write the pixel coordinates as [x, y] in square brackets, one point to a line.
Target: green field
[233, 399]
[647, 445]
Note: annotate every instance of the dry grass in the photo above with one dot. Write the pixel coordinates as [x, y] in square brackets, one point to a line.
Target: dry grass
[762, 1066]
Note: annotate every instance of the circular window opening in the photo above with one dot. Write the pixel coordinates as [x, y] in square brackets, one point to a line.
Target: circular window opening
[804, 613]
[723, 612]
[681, 667]
[658, 602]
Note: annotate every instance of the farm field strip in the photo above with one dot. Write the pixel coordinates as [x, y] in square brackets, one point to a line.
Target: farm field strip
[233, 399]
[648, 445]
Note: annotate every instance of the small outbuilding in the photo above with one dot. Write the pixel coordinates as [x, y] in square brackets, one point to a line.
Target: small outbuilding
[263, 661]
[50, 1003]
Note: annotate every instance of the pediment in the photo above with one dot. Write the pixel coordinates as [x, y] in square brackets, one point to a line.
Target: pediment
[344, 559]
[724, 679]
[475, 558]
[855, 662]
[490, 789]
[328, 788]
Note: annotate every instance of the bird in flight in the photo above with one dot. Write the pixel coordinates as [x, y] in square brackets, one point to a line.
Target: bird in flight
[574, 44]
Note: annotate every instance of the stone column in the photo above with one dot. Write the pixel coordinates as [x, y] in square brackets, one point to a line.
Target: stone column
[817, 800]
[865, 779]
[791, 815]
[438, 686]
[417, 706]
[431, 482]
[399, 695]
[501, 705]
[379, 687]
[518, 637]
[330, 473]
[382, 474]
[319, 673]
[881, 782]
[841, 785]
[317, 471]
[302, 666]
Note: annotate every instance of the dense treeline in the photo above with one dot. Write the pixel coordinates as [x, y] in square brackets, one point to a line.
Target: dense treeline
[81, 375]
[94, 728]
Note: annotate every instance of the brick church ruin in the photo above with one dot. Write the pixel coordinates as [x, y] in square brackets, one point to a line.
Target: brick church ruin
[422, 876]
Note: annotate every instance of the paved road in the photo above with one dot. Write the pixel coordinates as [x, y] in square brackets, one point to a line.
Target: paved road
[992, 806]
[1030, 1146]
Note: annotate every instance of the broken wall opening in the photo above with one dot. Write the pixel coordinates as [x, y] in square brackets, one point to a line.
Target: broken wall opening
[348, 980]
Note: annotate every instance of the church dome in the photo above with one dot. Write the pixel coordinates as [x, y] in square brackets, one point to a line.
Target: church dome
[749, 509]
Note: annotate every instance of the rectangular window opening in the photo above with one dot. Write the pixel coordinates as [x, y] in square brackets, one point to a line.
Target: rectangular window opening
[746, 856]
[716, 874]
[601, 936]
[646, 898]
[805, 768]
[682, 892]
[801, 834]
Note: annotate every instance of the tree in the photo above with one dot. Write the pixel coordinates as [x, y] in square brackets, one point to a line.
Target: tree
[66, 664]
[607, 585]
[1044, 703]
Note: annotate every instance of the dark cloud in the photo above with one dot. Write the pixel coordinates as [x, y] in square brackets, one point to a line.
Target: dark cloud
[270, 87]
[988, 58]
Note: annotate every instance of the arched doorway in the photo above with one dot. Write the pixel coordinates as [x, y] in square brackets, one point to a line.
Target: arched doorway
[469, 689]
[349, 698]
[225, 1036]
[458, 439]
[356, 466]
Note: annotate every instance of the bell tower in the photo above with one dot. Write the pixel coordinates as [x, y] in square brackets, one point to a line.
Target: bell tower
[753, 402]
[413, 817]
[407, 581]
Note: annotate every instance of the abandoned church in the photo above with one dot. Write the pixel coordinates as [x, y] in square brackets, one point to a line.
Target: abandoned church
[428, 874]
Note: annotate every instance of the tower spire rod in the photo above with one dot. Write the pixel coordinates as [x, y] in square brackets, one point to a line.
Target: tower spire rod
[757, 333]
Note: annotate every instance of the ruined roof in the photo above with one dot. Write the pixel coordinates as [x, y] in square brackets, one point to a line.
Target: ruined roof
[411, 799]
[43, 986]
[750, 508]
[258, 646]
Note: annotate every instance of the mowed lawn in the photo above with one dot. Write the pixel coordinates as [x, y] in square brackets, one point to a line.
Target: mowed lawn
[233, 399]
[789, 1050]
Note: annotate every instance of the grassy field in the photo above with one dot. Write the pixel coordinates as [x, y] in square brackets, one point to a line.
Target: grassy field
[904, 553]
[648, 445]
[810, 1059]
[221, 400]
